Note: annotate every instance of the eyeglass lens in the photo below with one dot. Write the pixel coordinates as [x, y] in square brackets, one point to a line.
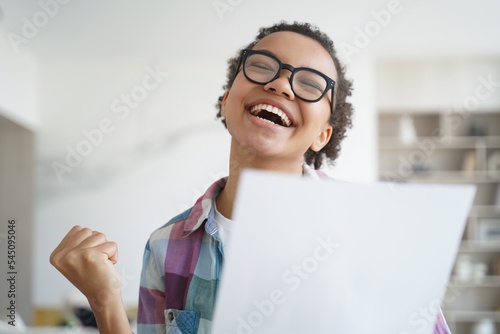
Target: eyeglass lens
[305, 83]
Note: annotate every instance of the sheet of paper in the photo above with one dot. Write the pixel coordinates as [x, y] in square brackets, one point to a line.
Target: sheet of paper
[310, 256]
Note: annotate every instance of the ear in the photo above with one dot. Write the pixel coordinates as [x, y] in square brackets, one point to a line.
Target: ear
[323, 138]
[223, 104]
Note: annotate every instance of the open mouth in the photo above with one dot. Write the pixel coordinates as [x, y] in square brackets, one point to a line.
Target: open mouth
[271, 114]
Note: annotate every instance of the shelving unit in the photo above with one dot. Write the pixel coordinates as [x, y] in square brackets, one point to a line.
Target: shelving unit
[434, 150]
[438, 122]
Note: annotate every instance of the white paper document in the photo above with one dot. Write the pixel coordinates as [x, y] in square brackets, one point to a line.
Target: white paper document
[310, 256]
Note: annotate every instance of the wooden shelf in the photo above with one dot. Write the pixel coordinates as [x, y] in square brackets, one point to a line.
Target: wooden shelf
[491, 281]
[474, 246]
[458, 142]
[448, 176]
[430, 111]
[485, 211]
[450, 146]
[472, 316]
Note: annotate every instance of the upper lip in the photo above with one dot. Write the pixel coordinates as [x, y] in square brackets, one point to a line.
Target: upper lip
[276, 104]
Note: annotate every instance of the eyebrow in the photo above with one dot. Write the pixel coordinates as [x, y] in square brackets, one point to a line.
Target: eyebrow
[267, 51]
[275, 55]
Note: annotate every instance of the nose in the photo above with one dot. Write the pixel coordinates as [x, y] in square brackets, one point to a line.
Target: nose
[281, 86]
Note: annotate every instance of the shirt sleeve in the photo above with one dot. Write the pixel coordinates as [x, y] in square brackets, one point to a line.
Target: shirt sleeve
[441, 326]
[150, 315]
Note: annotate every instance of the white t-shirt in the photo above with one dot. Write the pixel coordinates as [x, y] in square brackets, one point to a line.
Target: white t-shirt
[224, 226]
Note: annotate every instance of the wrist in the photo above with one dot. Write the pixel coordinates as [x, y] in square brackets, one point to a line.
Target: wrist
[111, 316]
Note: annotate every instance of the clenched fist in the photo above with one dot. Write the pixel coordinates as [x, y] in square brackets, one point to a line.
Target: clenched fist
[86, 258]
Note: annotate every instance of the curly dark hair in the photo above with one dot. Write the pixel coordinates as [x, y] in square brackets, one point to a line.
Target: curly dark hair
[340, 119]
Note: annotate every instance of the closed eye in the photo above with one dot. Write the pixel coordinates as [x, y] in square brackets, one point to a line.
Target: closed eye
[260, 66]
[311, 85]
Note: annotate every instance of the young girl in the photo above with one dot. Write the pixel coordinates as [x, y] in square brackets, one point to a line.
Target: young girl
[285, 107]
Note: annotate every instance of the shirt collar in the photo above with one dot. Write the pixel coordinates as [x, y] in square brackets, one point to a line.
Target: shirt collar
[201, 209]
[309, 172]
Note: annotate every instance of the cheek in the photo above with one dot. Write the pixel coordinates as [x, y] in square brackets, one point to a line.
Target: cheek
[228, 103]
[228, 106]
[235, 99]
[318, 115]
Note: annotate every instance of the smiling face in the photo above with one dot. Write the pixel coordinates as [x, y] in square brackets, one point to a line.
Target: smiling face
[268, 121]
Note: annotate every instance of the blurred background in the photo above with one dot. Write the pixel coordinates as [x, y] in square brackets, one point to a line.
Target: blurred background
[107, 120]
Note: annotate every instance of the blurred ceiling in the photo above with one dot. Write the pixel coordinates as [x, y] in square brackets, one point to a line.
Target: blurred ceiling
[160, 27]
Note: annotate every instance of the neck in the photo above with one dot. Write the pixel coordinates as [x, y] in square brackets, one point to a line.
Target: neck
[241, 159]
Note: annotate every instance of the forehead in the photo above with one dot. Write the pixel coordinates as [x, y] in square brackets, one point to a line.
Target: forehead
[299, 51]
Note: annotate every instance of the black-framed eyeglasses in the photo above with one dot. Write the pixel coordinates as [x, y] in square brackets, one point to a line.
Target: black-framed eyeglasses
[306, 83]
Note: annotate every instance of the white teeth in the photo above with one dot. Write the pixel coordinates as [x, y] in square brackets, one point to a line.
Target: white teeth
[274, 110]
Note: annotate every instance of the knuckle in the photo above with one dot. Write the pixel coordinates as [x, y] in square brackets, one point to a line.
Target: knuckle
[99, 234]
[52, 259]
[86, 230]
[89, 257]
[57, 261]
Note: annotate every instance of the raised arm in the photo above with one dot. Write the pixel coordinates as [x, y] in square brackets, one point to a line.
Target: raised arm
[86, 258]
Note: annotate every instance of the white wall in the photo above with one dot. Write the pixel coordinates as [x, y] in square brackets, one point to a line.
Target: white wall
[430, 84]
[18, 85]
[358, 157]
